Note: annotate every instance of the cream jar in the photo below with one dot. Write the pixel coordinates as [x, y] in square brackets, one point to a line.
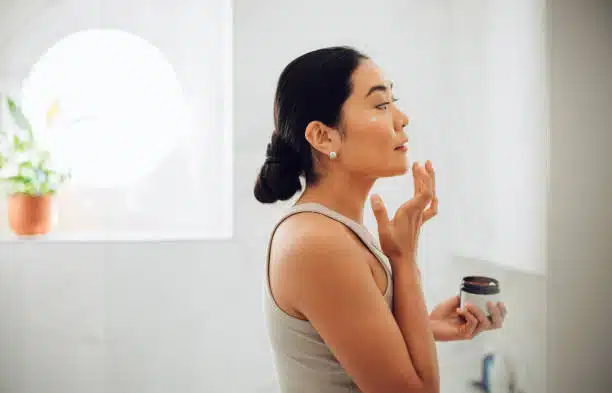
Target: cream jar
[478, 291]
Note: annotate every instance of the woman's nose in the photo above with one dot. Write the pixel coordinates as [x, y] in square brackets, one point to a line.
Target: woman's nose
[402, 121]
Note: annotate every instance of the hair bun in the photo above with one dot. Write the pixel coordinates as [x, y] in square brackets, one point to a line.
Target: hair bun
[279, 177]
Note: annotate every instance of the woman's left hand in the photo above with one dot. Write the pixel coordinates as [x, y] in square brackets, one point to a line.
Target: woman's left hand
[450, 323]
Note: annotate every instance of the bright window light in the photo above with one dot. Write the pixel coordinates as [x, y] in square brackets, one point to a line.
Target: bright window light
[108, 105]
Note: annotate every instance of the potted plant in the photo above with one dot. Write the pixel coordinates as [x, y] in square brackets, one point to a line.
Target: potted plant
[27, 175]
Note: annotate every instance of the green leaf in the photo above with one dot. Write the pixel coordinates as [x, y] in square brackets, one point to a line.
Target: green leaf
[34, 176]
[17, 114]
[44, 189]
[20, 179]
[30, 189]
[20, 119]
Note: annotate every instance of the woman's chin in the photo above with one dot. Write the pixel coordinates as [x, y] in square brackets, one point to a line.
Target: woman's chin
[402, 171]
[397, 170]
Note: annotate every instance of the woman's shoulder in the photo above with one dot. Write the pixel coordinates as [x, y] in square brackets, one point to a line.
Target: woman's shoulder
[309, 241]
[310, 231]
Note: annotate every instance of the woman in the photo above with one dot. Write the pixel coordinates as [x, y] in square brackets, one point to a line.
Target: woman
[346, 313]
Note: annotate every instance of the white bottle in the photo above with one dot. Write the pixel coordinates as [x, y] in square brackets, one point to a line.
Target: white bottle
[502, 375]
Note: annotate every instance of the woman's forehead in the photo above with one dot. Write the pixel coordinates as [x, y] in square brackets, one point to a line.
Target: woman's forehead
[368, 76]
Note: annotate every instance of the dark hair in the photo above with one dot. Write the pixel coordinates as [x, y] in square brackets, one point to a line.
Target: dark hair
[313, 87]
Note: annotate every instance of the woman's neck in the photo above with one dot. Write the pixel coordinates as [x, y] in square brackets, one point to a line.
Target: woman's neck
[342, 193]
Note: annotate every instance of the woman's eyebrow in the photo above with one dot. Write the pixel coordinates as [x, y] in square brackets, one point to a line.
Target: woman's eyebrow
[383, 88]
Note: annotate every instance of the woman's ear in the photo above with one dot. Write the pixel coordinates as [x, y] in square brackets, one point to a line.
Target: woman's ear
[322, 138]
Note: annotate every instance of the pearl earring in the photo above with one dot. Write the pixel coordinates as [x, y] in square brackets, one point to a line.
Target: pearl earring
[332, 155]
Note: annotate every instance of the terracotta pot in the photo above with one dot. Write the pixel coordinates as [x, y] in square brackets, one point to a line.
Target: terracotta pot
[29, 215]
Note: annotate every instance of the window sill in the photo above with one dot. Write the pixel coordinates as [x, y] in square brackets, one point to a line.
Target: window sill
[120, 237]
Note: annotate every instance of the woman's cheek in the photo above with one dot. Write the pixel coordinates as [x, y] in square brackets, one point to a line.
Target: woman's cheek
[375, 123]
[381, 123]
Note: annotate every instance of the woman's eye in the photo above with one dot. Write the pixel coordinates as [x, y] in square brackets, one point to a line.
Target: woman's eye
[385, 105]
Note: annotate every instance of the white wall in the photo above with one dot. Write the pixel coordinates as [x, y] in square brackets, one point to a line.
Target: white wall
[186, 316]
[498, 131]
[580, 216]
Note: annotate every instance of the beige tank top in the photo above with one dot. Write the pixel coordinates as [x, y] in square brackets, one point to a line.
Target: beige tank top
[303, 362]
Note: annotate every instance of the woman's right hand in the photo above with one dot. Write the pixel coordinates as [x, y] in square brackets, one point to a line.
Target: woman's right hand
[399, 236]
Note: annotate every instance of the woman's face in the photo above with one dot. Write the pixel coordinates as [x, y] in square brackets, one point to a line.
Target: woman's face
[373, 143]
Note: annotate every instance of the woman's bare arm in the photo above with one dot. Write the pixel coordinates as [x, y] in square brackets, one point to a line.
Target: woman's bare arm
[413, 319]
[327, 278]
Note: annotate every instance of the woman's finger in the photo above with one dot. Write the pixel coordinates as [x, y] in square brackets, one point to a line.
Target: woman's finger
[504, 310]
[483, 322]
[380, 213]
[416, 178]
[424, 193]
[432, 210]
[496, 315]
[432, 175]
[471, 323]
[419, 174]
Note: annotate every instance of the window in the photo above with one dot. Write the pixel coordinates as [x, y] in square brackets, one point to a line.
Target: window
[146, 135]
[109, 107]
